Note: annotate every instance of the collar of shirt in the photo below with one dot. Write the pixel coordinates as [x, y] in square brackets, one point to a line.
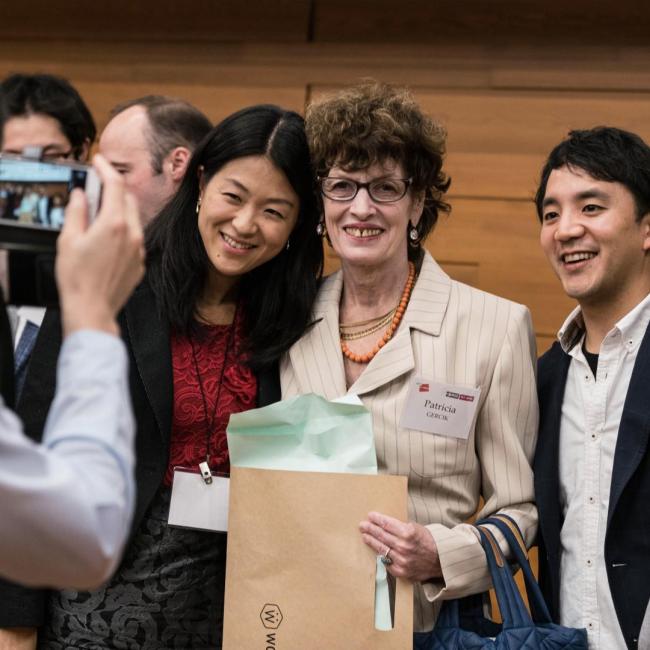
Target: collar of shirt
[631, 328]
[24, 315]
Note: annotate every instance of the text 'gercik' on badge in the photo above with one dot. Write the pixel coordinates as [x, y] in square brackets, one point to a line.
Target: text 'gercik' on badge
[441, 409]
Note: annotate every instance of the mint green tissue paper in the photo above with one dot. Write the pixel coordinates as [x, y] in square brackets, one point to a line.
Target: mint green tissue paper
[304, 433]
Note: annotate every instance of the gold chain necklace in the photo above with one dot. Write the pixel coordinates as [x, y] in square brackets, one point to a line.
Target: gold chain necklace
[361, 323]
[353, 336]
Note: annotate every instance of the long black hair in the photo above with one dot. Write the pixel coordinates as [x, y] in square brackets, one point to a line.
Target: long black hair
[277, 295]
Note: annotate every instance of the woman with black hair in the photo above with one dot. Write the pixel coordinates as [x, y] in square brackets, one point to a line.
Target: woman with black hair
[233, 262]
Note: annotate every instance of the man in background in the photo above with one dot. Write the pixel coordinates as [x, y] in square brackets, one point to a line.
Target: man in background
[150, 140]
[41, 110]
[592, 464]
[46, 113]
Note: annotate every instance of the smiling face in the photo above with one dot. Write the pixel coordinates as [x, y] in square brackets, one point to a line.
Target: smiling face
[368, 233]
[595, 243]
[248, 210]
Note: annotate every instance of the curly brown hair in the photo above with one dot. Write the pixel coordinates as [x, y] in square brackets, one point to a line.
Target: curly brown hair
[373, 122]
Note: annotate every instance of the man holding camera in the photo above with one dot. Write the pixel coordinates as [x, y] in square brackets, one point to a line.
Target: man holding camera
[72, 496]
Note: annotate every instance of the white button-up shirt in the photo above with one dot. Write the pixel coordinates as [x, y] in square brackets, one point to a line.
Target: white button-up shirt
[591, 414]
[66, 505]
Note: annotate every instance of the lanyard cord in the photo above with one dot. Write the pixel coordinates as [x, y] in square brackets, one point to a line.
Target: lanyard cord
[209, 423]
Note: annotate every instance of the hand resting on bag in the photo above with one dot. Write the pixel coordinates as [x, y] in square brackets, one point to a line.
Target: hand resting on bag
[413, 550]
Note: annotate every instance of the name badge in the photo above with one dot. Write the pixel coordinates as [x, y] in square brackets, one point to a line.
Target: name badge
[198, 504]
[441, 409]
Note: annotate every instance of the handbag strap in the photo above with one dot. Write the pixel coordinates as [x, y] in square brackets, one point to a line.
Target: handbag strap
[513, 610]
[509, 529]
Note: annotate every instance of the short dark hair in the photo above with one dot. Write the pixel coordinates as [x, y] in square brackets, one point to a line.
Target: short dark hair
[173, 123]
[29, 94]
[607, 154]
[277, 295]
[372, 122]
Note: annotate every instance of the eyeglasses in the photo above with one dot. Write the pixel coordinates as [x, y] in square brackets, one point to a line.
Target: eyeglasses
[52, 155]
[47, 154]
[381, 190]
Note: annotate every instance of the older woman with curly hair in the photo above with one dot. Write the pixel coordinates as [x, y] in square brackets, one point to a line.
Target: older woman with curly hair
[417, 347]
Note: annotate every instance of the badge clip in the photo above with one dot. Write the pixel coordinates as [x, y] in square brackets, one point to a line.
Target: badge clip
[206, 474]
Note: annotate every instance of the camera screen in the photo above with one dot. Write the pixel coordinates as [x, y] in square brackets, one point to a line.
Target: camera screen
[35, 193]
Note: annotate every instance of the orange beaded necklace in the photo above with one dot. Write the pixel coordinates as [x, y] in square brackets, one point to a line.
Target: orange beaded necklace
[392, 328]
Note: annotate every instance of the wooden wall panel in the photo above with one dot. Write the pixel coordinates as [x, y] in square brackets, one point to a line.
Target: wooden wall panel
[215, 101]
[528, 122]
[499, 21]
[494, 175]
[168, 20]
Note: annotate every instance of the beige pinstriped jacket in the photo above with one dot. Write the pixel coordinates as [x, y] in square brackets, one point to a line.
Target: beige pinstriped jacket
[450, 333]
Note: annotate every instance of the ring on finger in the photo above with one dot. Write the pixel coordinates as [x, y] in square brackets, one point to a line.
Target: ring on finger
[385, 558]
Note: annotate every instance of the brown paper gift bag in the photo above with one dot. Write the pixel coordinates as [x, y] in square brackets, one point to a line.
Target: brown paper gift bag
[298, 575]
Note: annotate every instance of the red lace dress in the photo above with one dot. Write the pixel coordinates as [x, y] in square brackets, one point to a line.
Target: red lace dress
[199, 372]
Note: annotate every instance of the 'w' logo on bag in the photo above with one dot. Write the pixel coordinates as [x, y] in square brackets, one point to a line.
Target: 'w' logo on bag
[271, 616]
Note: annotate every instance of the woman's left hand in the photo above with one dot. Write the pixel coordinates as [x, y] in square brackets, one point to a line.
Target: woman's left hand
[413, 551]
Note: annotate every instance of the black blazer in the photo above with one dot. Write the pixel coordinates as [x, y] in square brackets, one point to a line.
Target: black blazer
[151, 383]
[627, 538]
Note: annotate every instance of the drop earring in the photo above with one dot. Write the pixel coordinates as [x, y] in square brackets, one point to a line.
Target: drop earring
[321, 231]
[414, 236]
[198, 204]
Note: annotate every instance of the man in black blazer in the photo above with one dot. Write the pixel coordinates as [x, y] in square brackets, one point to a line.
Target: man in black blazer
[592, 464]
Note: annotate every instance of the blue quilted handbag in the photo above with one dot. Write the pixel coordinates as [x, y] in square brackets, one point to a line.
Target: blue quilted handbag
[519, 631]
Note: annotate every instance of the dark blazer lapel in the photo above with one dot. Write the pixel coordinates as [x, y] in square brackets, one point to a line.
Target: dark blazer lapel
[634, 430]
[553, 372]
[149, 342]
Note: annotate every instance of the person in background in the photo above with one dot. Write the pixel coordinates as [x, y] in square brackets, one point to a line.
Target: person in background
[393, 328]
[66, 505]
[150, 140]
[47, 112]
[28, 208]
[43, 112]
[233, 261]
[592, 463]
[57, 212]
